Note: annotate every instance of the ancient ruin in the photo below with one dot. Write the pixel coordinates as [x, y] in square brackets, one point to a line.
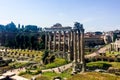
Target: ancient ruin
[70, 41]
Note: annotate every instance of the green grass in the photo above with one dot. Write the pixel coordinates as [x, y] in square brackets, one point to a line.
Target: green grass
[28, 76]
[48, 75]
[115, 64]
[56, 63]
[42, 78]
[51, 75]
[103, 64]
[94, 76]
[112, 53]
[99, 65]
[18, 64]
[81, 76]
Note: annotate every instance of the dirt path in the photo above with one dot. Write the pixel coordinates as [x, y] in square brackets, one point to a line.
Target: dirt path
[101, 50]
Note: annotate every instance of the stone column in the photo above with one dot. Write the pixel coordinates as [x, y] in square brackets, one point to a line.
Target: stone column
[71, 46]
[82, 50]
[49, 46]
[59, 41]
[46, 41]
[64, 38]
[79, 53]
[75, 52]
[69, 37]
[54, 47]
[75, 47]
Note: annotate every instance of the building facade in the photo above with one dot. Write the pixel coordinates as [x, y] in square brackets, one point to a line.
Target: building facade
[115, 46]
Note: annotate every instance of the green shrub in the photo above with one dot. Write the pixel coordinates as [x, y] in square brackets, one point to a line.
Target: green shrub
[44, 56]
[99, 65]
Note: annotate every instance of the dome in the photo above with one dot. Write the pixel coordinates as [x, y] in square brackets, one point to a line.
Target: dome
[57, 25]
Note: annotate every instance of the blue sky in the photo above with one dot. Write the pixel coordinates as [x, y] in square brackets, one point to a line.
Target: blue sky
[95, 15]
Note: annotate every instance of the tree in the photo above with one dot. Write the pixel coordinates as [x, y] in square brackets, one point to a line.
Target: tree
[18, 41]
[27, 41]
[42, 43]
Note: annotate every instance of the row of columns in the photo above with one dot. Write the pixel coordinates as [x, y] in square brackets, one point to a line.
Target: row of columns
[75, 45]
[49, 42]
[78, 62]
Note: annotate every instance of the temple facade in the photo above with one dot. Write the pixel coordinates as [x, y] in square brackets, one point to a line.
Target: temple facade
[69, 40]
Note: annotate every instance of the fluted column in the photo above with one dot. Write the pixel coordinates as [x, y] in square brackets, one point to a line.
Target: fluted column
[46, 41]
[49, 47]
[54, 47]
[59, 41]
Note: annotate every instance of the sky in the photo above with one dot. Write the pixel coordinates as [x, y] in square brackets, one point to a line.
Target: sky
[95, 15]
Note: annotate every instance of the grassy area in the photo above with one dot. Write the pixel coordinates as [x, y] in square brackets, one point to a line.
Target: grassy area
[57, 62]
[28, 76]
[115, 64]
[98, 65]
[103, 64]
[81, 76]
[112, 53]
[18, 64]
[48, 75]
[94, 76]
[42, 78]
[51, 75]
